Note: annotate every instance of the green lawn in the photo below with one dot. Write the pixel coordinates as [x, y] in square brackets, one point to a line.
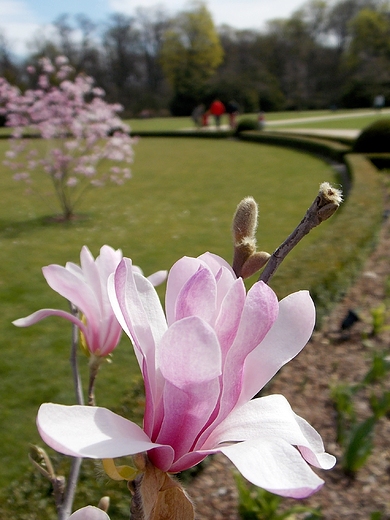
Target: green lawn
[180, 202]
[344, 123]
[178, 123]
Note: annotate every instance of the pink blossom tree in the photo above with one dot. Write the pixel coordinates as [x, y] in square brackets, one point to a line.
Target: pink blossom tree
[80, 129]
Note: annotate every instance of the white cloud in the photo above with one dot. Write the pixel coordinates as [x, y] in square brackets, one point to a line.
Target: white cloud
[22, 20]
[237, 13]
[18, 23]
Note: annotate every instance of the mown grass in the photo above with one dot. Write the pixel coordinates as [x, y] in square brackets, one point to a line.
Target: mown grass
[180, 202]
[343, 123]
[178, 123]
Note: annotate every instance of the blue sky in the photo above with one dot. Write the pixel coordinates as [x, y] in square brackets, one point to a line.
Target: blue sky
[21, 20]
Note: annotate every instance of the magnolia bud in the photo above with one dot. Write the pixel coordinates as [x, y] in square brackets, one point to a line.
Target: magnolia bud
[254, 263]
[329, 200]
[245, 222]
[104, 504]
[246, 260]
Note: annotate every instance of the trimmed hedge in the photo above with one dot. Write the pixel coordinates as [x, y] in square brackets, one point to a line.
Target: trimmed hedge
[375, 138]
[380, 160]
[332, 149]
[221, 134]
[334, 260]
[245, 124]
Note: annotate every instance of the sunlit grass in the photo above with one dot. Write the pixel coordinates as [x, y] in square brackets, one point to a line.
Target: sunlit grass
[359, 120]
[343, 123]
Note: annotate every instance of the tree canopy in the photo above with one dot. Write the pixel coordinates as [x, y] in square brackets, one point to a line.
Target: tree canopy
[328, 53]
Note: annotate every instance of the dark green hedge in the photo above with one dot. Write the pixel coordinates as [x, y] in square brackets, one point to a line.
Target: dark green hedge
[222, 134]
[329, 148]
[380, 160]
[375, 138]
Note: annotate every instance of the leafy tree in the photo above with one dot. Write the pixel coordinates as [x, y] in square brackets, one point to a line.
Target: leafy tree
[367, 57]
[152, 24]
[190, 55]
[123, 74]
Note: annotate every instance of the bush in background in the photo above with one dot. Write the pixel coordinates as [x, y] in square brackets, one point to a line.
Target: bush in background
[375, 138]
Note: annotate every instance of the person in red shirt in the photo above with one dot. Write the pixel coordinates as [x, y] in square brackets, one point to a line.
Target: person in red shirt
[217, 109]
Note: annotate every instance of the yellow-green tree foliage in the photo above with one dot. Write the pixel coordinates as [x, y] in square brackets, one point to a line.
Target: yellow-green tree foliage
[370, 36]
[191, 51]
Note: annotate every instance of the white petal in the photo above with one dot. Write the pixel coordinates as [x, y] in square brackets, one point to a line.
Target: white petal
[88, 431]
[158, 277]
[286, 338]
[272, 418]
[275, 466]
[89, 513]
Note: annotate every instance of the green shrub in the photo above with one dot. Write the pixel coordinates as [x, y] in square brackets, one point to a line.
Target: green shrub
[247, 123]
[375, 138]
[329, 148]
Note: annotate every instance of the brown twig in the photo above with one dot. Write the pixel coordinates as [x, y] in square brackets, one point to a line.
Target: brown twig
[323, 207]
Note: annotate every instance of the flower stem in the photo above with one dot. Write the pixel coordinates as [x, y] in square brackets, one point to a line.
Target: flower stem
[324, 205]
[65, 509]
[73, 359]
[93, 371]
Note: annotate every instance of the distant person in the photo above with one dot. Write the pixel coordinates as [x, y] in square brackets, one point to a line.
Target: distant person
[217, 109]
[379, 102]
[205, 119]
[232, 109]
[261, 120]
[197, 115]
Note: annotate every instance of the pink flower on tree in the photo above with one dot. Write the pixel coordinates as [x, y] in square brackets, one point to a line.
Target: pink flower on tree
[81, 129]
[86, 287]
[202, 365]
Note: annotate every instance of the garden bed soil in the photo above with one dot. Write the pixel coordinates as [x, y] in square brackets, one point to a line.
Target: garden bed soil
[331, 356]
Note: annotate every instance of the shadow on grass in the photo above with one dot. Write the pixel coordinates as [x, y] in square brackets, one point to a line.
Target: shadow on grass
[12, 229]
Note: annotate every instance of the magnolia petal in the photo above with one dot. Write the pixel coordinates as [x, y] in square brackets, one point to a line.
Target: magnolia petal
[44, 313]
[272, 418]
[225, 279]
[155, 279]
[108, 261]
[189, 352]
[287, 337]
[197, 297]
[189, 358]
[230, 311]
[274, 465]
[314, 456]
[258, 315]
[222, 272]
[189, 460]
[89, 431]
[75, 269]
[137, 307]
[91, 274]
[72, 288]
[158, 277]
[215, 263]
[186, 412]
[179, 274]
[89, 513]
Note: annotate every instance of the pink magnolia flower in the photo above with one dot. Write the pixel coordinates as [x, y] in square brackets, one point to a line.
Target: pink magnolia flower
[202, 364]
[89, 513]
[86, 288]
